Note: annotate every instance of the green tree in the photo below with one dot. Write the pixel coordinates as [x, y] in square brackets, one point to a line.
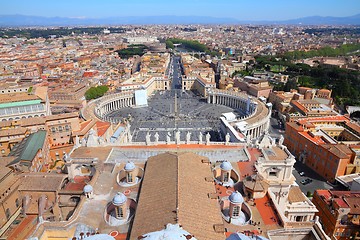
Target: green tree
[96, 92]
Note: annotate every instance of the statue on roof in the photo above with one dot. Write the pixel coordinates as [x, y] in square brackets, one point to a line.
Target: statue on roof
[200, 138]
[227, 138]
[281, 140]
[156, 137]
[177, 137]
[147, 138]
[188, 137]
[168, 135]
[207, 137]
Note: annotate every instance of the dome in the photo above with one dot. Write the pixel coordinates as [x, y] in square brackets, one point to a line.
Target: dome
[119, 199]
[171, 231]
[129, 166]
[236, 198]
[100, 237]
[88, 188]
[226, 166]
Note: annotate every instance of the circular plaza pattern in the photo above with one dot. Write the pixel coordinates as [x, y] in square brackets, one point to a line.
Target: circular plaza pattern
[180, 115]
[171, 111]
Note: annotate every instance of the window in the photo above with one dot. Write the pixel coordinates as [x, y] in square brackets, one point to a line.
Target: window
[7, 213]
[129, 177]
[273, 174]
[236, 211]
[298, 218]
[119, 213]
[17, 202]
[226, 177]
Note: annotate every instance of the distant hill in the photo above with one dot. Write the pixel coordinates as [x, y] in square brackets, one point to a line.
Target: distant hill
[318, 20]
[22, 20]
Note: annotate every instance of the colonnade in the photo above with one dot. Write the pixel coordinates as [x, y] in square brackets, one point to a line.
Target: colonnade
[234, 100]
[113, 102]
[257, 114]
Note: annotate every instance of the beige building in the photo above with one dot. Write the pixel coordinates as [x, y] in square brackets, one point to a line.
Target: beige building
[69, 92]
[10, 201]
[274, 178]
[254, 86]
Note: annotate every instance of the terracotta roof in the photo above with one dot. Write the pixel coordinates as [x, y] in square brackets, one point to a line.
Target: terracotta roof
[174, 190]
[339, 150]
[353, 126]
[354, 204]
[295, 195]
[102, 127]
[13, 131]
[17, 97]
[41, 182]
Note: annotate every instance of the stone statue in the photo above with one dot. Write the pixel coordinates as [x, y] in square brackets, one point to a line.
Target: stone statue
[101, 141]
[227, 138]
[177, 136]
[156, 137]
[207, 138]
[200, 138]
[83, 142]
[188, 136]
[66, 157]
[168, 135]
[281, 140]
[77, 141]
[248, 140]
[147, 138]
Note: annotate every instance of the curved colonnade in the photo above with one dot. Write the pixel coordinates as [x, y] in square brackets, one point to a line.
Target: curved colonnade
[100, 107]
[256, 113]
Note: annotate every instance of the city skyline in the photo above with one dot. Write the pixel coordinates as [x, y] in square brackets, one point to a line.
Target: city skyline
[260, 10]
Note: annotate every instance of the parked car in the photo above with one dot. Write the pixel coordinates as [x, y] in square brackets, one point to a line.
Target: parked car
[302, 174]
[306, 181]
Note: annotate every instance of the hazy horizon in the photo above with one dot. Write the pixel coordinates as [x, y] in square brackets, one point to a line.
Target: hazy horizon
[257, 10]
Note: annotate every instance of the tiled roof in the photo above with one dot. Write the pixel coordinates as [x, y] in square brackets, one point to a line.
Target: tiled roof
[41, 182]
[295, 195]
[174, 190]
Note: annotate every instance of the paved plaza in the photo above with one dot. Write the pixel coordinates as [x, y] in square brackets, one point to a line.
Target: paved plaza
[172, 110]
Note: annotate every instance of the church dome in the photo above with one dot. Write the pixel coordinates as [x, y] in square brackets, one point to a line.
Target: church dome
[226, 166]
[88, 188]
[119, 199]
[129, 166]
[236, 198]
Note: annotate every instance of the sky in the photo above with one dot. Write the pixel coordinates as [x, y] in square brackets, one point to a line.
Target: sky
[238, 9]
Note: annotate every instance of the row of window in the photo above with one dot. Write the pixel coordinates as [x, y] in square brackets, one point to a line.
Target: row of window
[9, 91]
[60, 128]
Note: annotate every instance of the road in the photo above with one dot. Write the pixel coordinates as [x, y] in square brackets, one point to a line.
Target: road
[317, 181]
[276, 128]
[175, 72]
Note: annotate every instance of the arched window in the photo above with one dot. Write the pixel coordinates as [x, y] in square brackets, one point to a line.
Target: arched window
[119, 212]
[236, 211]
[129, 177]
[226, 177]
[17, 202]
